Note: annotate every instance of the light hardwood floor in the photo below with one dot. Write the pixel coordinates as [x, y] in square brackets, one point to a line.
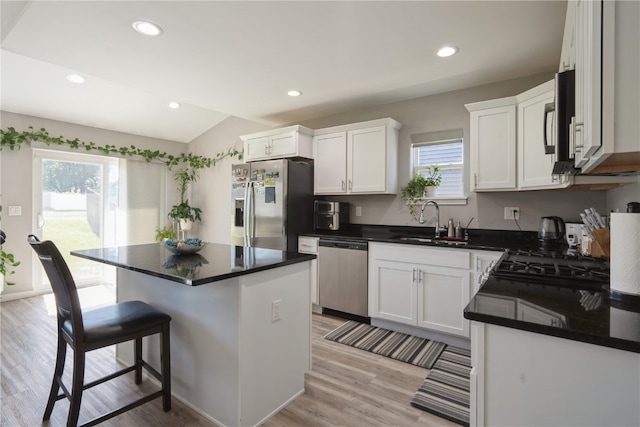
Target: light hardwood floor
[345, 387]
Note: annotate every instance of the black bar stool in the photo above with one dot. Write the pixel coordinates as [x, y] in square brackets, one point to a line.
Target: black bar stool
[83, 332]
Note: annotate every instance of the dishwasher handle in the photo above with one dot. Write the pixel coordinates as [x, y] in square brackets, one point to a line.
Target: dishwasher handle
[344, 244]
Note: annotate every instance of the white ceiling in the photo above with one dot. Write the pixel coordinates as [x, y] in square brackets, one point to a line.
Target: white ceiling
[240, 58]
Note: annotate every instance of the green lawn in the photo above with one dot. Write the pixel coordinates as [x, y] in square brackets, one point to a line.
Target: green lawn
[70, 230]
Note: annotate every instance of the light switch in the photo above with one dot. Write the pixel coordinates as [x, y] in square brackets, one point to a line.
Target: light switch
[15, 210]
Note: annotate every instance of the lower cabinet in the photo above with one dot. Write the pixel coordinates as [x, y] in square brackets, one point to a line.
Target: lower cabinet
[420, 286]
[309, 245]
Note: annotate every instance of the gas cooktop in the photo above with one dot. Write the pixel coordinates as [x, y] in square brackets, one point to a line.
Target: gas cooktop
[554, 268]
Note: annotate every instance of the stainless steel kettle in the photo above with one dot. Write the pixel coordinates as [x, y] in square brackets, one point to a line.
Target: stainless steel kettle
[552, 229]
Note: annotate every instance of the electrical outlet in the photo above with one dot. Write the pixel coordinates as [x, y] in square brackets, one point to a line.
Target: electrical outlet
[275, 310]
[358, 210]
[512, 213]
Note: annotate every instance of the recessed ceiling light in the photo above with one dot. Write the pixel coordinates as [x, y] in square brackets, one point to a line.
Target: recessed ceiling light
[447, 51]
[174, 105]
[147, 28]
[75, 78]
[294, 93]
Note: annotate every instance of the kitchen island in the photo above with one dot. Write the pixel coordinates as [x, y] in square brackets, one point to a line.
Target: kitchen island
[240, 330]
[549, 355]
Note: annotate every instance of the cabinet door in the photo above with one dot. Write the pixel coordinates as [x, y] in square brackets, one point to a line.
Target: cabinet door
[493, 148]
[481, 261]
[534, 166]
[392, 291]
[443, 293]
[309, 245]
[588, 79]
[283, 145]
[256, 148]
[330, 164]
[367, 160]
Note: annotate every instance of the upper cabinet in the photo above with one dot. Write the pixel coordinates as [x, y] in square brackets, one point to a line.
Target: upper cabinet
[359, 158]
[588, 71]
[534, 127]
[493, 148]
[292, 141]
[602, 43]
[507, 143]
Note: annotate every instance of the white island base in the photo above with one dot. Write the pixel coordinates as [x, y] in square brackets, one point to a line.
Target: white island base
[229, 360]
[521, 378]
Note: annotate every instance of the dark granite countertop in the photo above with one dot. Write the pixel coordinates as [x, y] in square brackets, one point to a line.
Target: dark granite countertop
[493, 240]
[575, 314]
[213, 263]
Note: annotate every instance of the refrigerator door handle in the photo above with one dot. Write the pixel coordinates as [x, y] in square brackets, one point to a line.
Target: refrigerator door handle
[248, 193]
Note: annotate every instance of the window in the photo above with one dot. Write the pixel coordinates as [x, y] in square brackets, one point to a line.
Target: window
[444, 149]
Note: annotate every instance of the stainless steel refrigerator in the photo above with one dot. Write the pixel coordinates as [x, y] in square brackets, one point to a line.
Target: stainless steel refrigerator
[272, 203]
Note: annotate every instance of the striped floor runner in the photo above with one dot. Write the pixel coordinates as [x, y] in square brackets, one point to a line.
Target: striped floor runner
[406, 348]
[445, 391]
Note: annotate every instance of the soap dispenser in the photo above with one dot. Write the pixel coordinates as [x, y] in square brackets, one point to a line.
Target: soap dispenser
[450, 228]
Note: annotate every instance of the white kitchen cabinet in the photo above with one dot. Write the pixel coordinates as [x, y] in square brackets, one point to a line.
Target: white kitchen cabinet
[493, 144]
[507, 143]
[609, 104]
[568, 51]
[292, 141]
[534, 166]
[588, 78]
[480, 262]
[515, 373]
[309, 245]
[393, 290]
[359, 158]
[420, 286]
[443, 294]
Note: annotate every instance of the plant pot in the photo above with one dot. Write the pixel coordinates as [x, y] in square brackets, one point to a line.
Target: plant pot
[429, 192]
[185, 225]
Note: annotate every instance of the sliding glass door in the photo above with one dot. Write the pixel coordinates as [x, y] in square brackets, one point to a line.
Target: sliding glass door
[75, 205]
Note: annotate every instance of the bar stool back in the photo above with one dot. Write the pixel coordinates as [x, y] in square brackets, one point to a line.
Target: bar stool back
[93, 329]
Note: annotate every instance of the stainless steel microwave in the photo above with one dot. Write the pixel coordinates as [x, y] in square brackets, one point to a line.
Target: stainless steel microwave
[330, 215]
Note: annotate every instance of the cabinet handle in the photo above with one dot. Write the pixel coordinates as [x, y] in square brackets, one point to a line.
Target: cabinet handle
[343, 185]
[266, 150]
[419, 275]
[350, 185]
[414, 274]
[475, 180]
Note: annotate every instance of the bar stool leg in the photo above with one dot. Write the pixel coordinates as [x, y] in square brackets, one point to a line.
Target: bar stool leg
[77, 385]
[57, 374]
[138, 360]
[165, 359]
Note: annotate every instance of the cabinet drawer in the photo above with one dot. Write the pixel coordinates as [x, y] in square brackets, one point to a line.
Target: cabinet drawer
[308, 245]
[442, 257]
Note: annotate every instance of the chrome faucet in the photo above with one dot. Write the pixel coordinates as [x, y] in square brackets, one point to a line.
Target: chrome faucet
[422, 220]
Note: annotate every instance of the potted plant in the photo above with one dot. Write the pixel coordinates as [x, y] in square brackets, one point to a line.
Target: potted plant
[7, 260]
[165, 233]
[183, 212]
[420, 187]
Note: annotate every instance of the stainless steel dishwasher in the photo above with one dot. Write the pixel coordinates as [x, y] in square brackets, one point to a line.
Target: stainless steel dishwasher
[342, 276]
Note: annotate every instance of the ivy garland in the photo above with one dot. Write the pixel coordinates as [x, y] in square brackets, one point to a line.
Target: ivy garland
[13, 140]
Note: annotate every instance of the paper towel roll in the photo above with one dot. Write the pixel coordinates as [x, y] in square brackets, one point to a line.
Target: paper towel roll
[625, 253]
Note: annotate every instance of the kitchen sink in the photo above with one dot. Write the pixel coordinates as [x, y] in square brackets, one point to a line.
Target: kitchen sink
[438, 241]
